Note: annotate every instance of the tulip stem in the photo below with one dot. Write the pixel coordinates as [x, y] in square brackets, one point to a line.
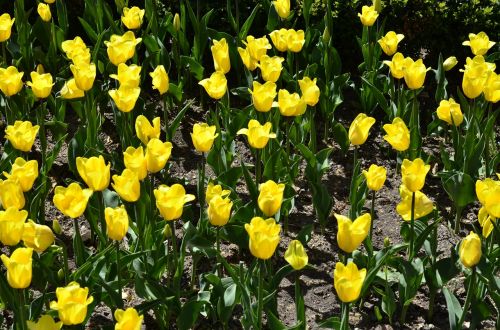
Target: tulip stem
[4, 54]
[174, 246]
[201, 186]
[468, 299]
[118, 269]
[372, 213]
[259, 290]
[257, 167]
[412, 227]
[22, 315]
[100, 208]
[344, 322]
[217, 240]
[458, 218]
[165, 118]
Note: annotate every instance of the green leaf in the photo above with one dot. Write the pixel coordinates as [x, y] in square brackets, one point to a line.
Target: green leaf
[194, 67]
[330, 323]
[189, 314]
[460, 187]
[341, 137]
[454, 308]
[230, 295]
[248, 23]
[251, 186]
[174, 125]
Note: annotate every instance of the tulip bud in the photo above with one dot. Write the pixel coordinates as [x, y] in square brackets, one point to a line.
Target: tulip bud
[450, 63]
[56, 227]
[167, 231]
[60, 274]
[377, 4]
[177, 22]
[387, 242]
[470, 250]
[326, 35]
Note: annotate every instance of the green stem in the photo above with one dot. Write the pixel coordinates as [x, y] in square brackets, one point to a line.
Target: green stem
[468, 299]
[4, 54]
[118, 269]
[259, 290]
[372, 213]
[174, 246]
[22, 309]
[458, 218]
[217, 240]
[257, 167]
[201, 192]
[344, 322]
[313, 131]
[432, 299]
[65, 259]
[165, 118]
[100, 208]
[412, 227]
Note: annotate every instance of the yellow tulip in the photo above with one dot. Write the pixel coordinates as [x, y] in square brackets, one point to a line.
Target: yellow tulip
[352, 233]
[216, 85]
[145, 131]
[71, 91]
[270, 67]
[264, 237]
[19, 268]
[11, 194]
[291, 105]
[414, 173]
[258, 135]
[81, 57]
[368, 15]
[449, 111]
[12, 225]
[470, 250]
[161, 81]
[220, 54]
[71, 304]
[135, 161]
[170, 200]
[263, 95]
[128, 75]
[219, 210]
[488, 193]
[389, 42]
[250, 63]
[71, 201]
[479, 43]
[449, 63]
[476, 73]
[94, 172]
[11, 81]
[398, 135]
[127, 185]
[41, 84]
[116, 222]
[396, 65]
[423, 205]
[270, 197]
[203, 137]
[44, 12]
[296, 255]
[375, 177]
[215, 190]
[122, 48]
[38, 237]
[295, 40]
[125, 97]
[348, 281]
[282, 7]
[492, 88]
[25, 172]
[310, 91]
[359, 129]
[257, 47]
[486, 221]
[132, 17]
[5, 27]
[84, 75]
[74, 48]
[157, 154]
[128, 319]
[46, 322]
[280, 39]
[414, 73]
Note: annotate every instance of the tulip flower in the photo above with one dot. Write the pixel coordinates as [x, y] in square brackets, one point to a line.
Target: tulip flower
[94, 172]
[11, 81]
[368, 15]
[84, 75]
[128, 319]
[215, 190]
[479, 43]
[122, 48]
[128, 75]
[145, 131]
[41, 84]
[11, 194]
[282, 7]
[476, 74]
[160, 79]
[19, 268]
[116, 222]
[296, 255]
[220, 54]
[389, 42]
[71, 91]
[449, 63]
[157, 154]
[263, 95]
[488, 193]
[71, 304]
[258, 135]
[264, 237]
[398, 135]
[486, 221]
[491, 88]
[219, 210]
[44, 12]
[396, 65]
[38, 237]
[352, 233]
[291, 105]
[250, 63]
[280, 39]
[12, 225]
[270, 67]
[177, 22]
[414, 173]
[74, 47]
[423, 205]
[170, 200]
[295, 40]
[71, 201]
[46, 322]
[359, 129]
[25, 172]
[5, 27]
[216, 85]
[414, 73]
[270, 197]
[310, 91]
[127, 185]
[135, 160]
[257, 47]
[348, 281]
[125, 97]
[449, 111]
[132, 17]
[375, 177]
[21, 135]
[470, 250]
[203, 137]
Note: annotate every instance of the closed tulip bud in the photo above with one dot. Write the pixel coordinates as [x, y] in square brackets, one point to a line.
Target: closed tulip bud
[219, 210]
[157, 154]
[282, 7]
[145, 131]
[6, 23]
[326, 36]
[263, 95]
[220, 54]
[84, 75]
[41, 84]
[396, 65]
[215, 190]
[389, 43]
[71, 201]
[125, 97]
[11, 194]
[414, 73]
[128, 75]
[19, 268]
[291, 105]
[492, 88]
[132, 17]
[94, 172]
[476, 73]
[470, 250]
[375, 177]
[56, 227]
[127, 185]
[387, 242]
[250, 63]
[310, 91]
[38, 237]
[449, 111]
[25, 172]
[11, 81]
[170, 200]
[12, 225]
[216, 85]
[203, 137]
[486, 221]
[44, 12]
[377, 5]
[177, 22]
[161, 81]
[359, 129]
[479, 43]
[280, 39]
[296, 255]
[414, 173]
[368, 15]
[423, 205]
[167, 231]
[264, 237]
[270, 67]
[135, 160]
[71, 91]
[128, 319]
[352, 233]
[116, 222]
[71, 304]
[398, 134]
[122, 48]
[257, 47]
[21, 135]
[348, 281]
[295, 40]
[488, 194]
[449, 63]
[46, 322]
[258, 135]
[49, 1]
[270, 197]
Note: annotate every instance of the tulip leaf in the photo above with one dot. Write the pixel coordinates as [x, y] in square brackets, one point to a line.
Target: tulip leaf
[454, 308]
[330, 323]
[189, 314]
[194, 67]
[460, 187]
[88, 29]
[248, 23]
[251, 186]
[341, 137]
